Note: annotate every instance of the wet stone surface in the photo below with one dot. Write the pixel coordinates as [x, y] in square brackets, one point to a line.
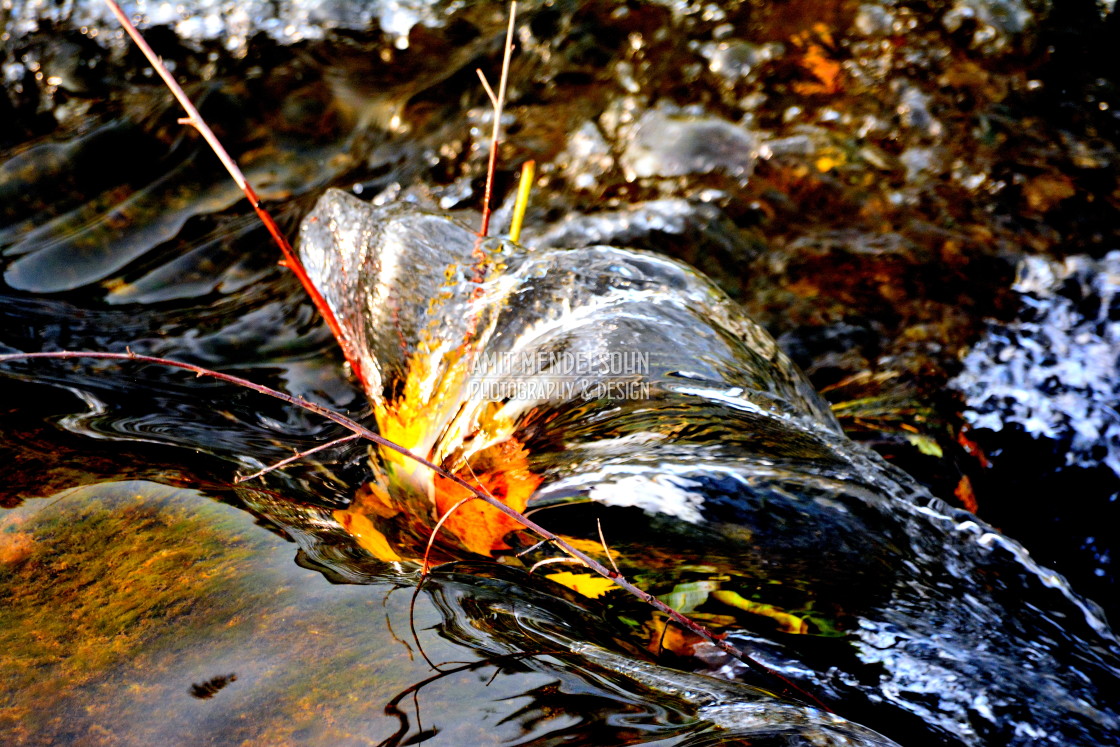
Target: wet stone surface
[170, 615]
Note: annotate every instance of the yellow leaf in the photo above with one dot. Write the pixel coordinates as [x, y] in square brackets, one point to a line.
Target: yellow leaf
[787, 623]
[827, 72]
[586, 584]
[591, 547]
[686, 597]
[362, 530]
[925, 444]
[825, 164]
[1044, 192]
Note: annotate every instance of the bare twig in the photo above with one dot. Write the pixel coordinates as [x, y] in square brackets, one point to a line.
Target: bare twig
[195, 120]
[498, 101]
[618, 579]
[486, 86]
[551, 561]
[439, 525]
[528, 550]
[607, 550]
[661, 638]
[412, 623]
[389, 623]
[297, 457]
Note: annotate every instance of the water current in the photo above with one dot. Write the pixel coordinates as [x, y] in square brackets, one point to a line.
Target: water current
[853, 183]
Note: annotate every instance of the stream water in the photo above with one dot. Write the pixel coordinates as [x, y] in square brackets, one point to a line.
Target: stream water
[859, 180]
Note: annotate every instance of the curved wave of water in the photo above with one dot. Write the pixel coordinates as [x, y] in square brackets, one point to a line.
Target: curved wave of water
[729, 457]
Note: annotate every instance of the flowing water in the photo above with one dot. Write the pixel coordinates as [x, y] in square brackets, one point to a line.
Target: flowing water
[854, 175]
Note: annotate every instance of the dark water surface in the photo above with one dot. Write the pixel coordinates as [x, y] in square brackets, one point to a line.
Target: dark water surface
[866, 179]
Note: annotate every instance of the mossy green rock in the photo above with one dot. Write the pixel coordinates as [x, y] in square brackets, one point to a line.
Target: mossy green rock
[127, 607]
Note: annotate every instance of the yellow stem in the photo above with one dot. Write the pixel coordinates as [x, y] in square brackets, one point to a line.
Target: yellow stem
[524, 187]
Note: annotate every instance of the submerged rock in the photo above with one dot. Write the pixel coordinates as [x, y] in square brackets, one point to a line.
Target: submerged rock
[993, 24]
[668, 142]
[136, 613]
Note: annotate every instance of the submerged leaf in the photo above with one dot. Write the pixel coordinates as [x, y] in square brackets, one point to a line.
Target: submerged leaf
[362, 529]
[787, 623]
[502, 470]
[966, 495]
[587, 584]
[924, 444]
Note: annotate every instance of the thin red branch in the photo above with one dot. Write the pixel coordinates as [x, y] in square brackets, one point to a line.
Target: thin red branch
[297, 457]
[498, 101]
[195, 120]
[354, 427]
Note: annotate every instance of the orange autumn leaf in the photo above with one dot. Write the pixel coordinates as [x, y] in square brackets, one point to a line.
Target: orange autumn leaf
[374, 498]
[965, 494]
[501, 470]
[973, 449]
[370, 539]
[1044, 192]
[825, 69]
